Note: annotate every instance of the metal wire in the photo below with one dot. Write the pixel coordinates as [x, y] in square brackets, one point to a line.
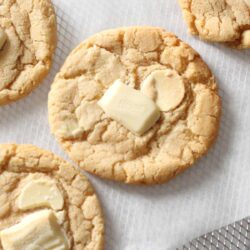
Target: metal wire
[232, 237]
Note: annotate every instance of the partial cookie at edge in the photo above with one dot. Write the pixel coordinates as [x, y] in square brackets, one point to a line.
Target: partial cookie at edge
[26, 56]
[226, 21]
[82, 218]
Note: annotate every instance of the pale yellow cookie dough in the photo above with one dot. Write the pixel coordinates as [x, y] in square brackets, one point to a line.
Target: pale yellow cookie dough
[219, 20]
[101, 145]
[33, 181]
[25, 58]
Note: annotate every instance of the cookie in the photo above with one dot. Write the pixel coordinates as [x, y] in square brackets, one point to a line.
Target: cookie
[27, 44]
[185, 93]
[226, 21]
[44, 201]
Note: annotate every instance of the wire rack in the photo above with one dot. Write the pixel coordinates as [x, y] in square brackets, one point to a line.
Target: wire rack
[232, 237]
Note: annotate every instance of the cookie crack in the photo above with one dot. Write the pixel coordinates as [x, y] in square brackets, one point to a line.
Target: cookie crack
[18, 62]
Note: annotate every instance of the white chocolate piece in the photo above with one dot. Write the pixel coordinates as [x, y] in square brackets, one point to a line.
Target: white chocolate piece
[165, 87]
[38, 231]
[130, 107]
[3, 38]
[38, 193]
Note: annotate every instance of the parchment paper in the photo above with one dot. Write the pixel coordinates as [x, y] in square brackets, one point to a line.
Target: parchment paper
[213, 193]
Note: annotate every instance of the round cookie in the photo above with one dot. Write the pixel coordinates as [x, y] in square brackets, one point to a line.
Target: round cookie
[36, 182]
[225, 21]
[27, 43]
[103, 146]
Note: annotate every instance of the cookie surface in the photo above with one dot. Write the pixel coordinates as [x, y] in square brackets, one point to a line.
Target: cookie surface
[76, 205]
[25, 58]
[103, 146]
[219, 20]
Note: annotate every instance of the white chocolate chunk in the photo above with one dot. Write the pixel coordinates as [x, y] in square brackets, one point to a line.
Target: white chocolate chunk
[165, 87]
[38, 193]
[3, 38]
[130, 107]
[38, 231]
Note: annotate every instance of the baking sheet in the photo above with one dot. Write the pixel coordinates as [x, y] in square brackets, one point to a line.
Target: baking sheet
[213, 193]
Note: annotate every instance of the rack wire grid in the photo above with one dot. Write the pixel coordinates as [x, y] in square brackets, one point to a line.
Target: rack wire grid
[235, 236]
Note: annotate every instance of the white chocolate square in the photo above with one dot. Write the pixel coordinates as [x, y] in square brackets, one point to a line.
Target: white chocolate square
[130, 107]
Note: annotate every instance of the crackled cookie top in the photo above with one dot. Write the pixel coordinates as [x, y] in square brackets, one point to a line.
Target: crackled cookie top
[160, 66]
[27, 43]
[219, 20]
[45, 202]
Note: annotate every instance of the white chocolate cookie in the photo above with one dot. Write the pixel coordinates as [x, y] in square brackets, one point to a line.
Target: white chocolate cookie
[225, 21]
[164, 69]
[27, 44]
[45, 202]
